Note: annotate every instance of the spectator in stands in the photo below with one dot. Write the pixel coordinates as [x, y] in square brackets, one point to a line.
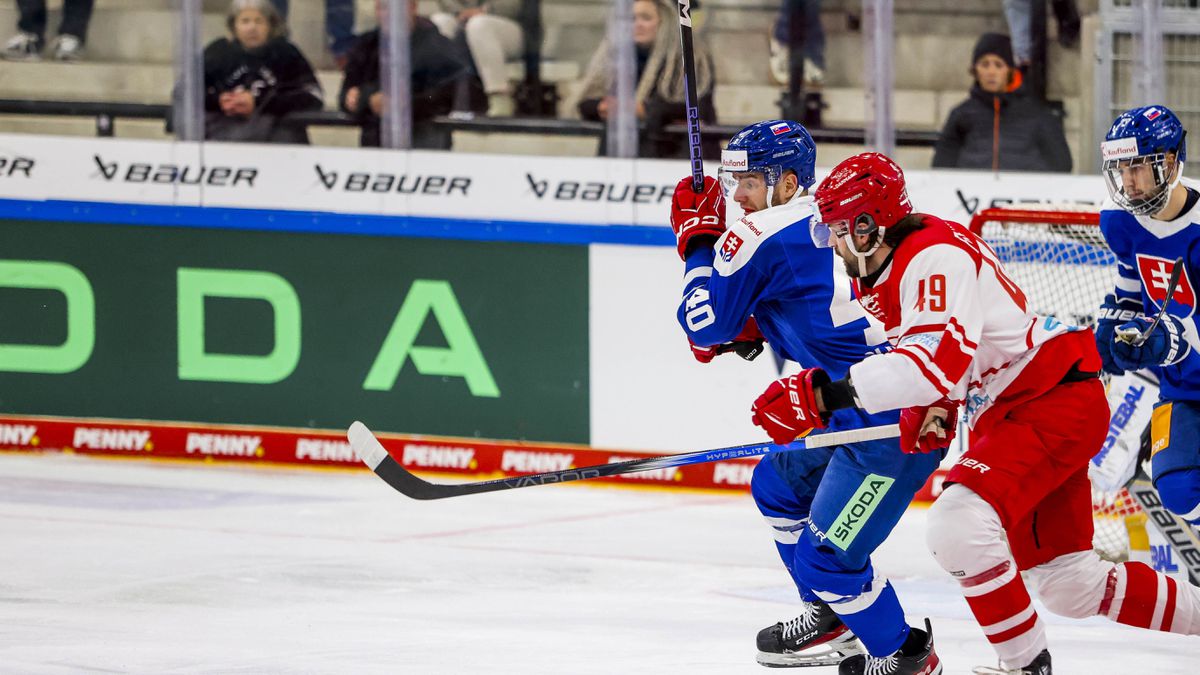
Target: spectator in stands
[437, 68]
[999, 127]
[493, 36]
[803, 17]
[1019, 14]
[255, 78]
[339, 26]
[659, 95]
[27, 44]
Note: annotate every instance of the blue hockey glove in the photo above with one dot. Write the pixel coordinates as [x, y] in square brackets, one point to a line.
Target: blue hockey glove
[1166, 346]
[1113, 313]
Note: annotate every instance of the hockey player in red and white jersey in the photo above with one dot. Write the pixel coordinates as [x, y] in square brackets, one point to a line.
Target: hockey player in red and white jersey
[1029, 391]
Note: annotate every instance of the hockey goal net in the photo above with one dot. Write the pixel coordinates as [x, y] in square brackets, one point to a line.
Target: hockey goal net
[1060, 260]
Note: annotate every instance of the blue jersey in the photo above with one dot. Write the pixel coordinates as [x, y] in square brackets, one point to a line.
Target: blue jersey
[766, 266]
[1146, 251]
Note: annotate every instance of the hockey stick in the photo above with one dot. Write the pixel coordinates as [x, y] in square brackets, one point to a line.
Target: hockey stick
[1178, 532]
[1136, 338]
[689, 95]
[372, 453]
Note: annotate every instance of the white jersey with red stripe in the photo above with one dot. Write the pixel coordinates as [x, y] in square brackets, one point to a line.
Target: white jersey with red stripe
[961, 327]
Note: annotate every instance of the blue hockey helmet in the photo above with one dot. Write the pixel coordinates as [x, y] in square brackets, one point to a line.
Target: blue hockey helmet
[1135, 164]
[770, 148]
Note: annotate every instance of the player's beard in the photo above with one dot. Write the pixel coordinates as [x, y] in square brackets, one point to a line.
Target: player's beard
[849, 261]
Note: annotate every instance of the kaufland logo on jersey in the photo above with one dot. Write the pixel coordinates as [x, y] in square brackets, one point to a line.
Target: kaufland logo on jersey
[730, 247]
[438, 456]
[224, 445]
[1156, 275]
[18, 436]
[527, 461]
[324, 450]
[126, 440]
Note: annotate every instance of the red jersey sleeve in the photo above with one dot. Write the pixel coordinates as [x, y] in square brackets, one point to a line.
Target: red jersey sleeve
[941, 320]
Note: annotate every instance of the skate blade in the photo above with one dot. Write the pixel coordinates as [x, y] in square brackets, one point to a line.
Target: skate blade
[819, 656]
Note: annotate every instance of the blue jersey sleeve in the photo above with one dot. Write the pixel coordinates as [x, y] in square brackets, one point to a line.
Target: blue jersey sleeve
[715, 307]
[1128, 283]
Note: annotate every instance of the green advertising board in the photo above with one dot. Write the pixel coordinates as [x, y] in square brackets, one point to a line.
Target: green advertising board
[434, 336]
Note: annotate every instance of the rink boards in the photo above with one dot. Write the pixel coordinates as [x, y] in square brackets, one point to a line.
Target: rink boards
[281, 293]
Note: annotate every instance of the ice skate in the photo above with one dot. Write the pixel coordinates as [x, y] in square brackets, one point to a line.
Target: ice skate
[815, 638]
[924, 661]
[1039, 666]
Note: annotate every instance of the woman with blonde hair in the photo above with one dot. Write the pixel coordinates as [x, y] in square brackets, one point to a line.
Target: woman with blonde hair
[660, 87]
[255, 77]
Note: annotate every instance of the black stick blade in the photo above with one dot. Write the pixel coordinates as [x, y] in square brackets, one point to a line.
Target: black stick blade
[376, 457]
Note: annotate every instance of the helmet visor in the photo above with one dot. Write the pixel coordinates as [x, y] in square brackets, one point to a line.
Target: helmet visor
[823, 234]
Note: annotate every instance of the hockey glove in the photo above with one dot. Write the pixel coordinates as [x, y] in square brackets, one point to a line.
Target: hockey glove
[928, 428]
[697, 219]
[1165, 346]
[1113, 313]
[788, 408]
[748, 344]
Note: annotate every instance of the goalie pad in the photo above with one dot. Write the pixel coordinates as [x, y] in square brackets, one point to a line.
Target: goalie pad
[1131, 399]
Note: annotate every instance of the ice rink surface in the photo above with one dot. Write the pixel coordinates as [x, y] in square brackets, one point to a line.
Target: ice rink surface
[148, 567]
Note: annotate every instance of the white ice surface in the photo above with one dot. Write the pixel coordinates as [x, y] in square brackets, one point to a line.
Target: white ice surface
[113, 566]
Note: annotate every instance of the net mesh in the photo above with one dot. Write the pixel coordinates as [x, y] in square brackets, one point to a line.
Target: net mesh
[1059, 258]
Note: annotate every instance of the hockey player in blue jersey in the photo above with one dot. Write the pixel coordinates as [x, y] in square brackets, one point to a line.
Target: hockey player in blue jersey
[828, 508]
[1152, 219]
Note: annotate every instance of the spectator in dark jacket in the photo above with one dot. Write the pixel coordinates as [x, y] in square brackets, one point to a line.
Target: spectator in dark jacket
[1000, 127]
[438, 67]
[659, 93]
[255, 78]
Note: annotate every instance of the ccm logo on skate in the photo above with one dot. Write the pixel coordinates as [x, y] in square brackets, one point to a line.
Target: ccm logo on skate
[968, 463]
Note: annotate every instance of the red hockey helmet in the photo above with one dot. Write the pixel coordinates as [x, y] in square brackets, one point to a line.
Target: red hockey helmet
[865, 191]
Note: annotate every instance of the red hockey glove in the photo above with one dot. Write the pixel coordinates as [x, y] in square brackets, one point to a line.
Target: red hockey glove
[788, 408]
[748, 344]
[697, 215]
[928, 428]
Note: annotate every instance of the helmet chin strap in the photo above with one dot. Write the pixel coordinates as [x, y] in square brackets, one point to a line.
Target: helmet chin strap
[863, 255]
[1170, 188]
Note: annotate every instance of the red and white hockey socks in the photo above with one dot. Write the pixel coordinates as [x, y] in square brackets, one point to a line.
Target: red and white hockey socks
[966, 538]
[1136, 595]
[1002, 607]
